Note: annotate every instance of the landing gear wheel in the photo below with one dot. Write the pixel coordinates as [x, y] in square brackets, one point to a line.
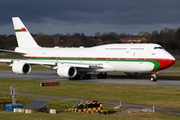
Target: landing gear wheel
[105, 75]
[81, 76]
[153, 77]
[87, 76]
[77, 77]
[102, 76]
[98, 76]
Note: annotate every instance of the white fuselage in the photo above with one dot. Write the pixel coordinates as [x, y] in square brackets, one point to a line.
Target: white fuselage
[75, 63]
[114, 57]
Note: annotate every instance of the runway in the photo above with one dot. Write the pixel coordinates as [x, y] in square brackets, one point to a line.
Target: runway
[52, 76]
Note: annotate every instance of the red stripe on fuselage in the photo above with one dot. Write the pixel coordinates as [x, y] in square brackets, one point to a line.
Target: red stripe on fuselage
[164, 63]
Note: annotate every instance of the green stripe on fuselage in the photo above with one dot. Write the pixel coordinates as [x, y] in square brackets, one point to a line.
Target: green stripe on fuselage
[156, 64]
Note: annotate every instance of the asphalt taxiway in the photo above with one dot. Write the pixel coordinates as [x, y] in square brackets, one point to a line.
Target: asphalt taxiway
[52, 76]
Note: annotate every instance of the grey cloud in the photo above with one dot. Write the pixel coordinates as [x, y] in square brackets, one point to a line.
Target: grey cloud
[106, 12]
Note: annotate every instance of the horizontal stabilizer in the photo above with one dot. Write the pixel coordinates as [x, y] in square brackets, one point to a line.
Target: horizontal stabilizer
[10, 51]
[6, 60]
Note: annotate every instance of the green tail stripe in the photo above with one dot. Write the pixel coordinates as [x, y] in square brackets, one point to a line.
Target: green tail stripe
[19, 31]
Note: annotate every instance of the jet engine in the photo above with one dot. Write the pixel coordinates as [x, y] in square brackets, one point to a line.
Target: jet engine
[66, 71]
[130, 73]
[21, 68]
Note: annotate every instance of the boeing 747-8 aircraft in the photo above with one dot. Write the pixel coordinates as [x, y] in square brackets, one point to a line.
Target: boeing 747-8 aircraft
[76, 63]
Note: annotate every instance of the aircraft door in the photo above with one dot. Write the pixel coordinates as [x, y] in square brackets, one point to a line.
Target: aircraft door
[141, 59]
[57, 57]
[128, 48]
[107, 58]
[81, 57]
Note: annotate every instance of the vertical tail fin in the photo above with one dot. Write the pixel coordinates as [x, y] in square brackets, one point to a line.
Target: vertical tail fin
[24, 38]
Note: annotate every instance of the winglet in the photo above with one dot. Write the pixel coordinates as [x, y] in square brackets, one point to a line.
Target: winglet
[24, 38]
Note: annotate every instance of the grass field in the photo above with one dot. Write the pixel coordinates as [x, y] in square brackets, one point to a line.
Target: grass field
[83, 116]
[161, 96]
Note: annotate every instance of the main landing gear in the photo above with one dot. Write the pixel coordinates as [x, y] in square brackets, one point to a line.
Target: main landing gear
[81, 76]
[102, 75]
[88, 76]
[153, 77]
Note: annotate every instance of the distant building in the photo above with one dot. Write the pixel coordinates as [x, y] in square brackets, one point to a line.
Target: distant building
[96, 40]
[61, 41]
[136, 40]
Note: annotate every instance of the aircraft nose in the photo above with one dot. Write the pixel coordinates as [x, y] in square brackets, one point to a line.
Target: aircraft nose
[169, 62]
[166, 63]
[172, 61]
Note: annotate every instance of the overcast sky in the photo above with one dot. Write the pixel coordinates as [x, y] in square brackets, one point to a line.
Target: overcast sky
[90, 16]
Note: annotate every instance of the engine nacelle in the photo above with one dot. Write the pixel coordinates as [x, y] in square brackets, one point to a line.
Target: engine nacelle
[21, 68]
[130, 73]
[66, 71]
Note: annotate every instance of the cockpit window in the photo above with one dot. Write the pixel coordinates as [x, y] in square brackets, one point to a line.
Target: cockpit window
[158, 48]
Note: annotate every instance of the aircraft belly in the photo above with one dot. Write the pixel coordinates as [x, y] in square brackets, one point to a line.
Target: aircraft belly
[119, 66]
[132, 66]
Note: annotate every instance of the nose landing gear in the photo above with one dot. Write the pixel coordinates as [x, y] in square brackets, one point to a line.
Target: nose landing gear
[153, 76]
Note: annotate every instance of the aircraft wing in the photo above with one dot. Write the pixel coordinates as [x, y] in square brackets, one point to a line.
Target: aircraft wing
[53, 64]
